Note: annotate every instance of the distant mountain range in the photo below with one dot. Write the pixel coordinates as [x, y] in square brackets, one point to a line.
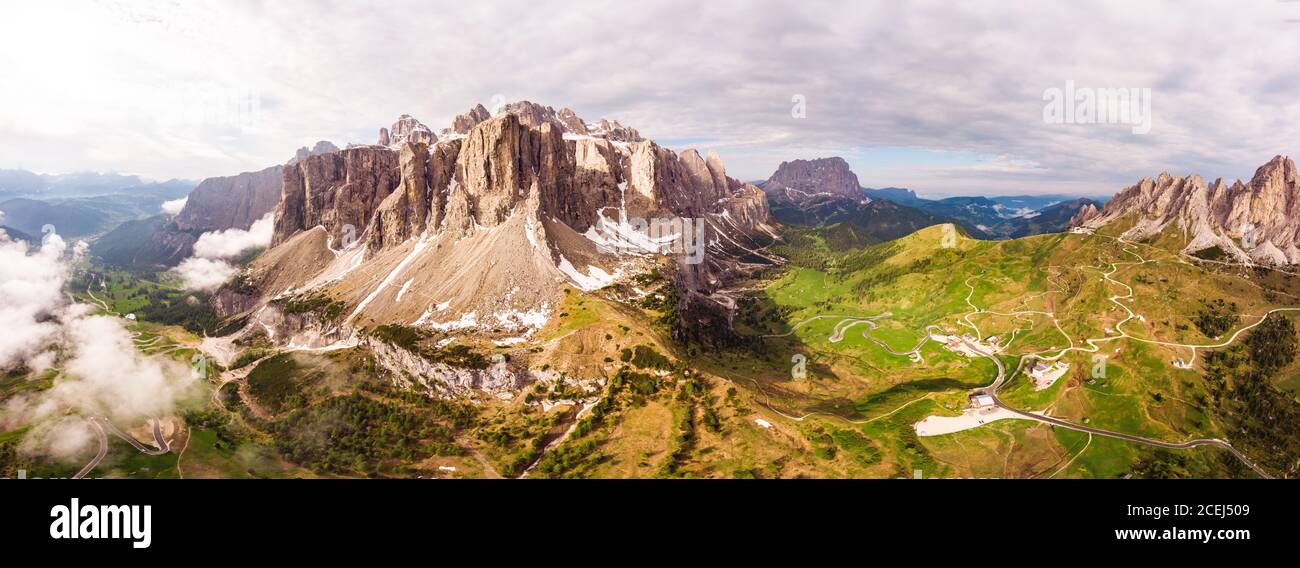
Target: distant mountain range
[78, 209]
[22, 183]
[216, 204]
[1002, 217]
[825, 192]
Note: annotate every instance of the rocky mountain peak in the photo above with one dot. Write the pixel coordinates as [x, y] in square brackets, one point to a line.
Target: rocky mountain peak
[407, 128]
[1278, 174]
[321, 147]
[1086, 213]
[464, 122]
[1257, 222]
[802, 179]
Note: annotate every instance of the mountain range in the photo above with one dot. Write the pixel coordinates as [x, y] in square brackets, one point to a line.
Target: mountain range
[84, 204]
[215, 204]
[483, 227]
[1256, 222]
[826, 193]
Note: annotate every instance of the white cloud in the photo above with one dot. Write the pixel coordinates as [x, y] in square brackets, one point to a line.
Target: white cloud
[174, 206]
[215, 87]
[102, 371]
[207, 270]
[231, 242]
[205, 274]
[31, 289]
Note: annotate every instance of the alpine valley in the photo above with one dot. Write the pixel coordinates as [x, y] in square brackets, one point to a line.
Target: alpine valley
[525, 293]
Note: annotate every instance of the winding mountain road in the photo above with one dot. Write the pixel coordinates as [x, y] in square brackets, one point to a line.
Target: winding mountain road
[932, 332]
[103, 451]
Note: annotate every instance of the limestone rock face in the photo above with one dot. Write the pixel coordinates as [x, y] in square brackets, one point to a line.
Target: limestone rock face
[218, 204]
[799, 180]
[464, 122]
[1256, 222]
[406, 129]
[484, 226]
[503, 163]
[335, 191]
[232, 202]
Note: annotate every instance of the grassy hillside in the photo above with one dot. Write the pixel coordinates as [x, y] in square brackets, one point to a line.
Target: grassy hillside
[1043, 296]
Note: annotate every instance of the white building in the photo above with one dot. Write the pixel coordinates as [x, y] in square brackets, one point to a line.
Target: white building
[1045, 374]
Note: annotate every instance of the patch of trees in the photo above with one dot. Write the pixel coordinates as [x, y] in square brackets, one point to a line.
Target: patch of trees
[1216, 317]
[803, 248]
[460, 414]
[413, 339]
[176, 307]
[276, 383]
[683, 444]
[355, 434]
[645, 357]
[251, 355]
[859, 448]
[11, 461]
[1263, 419]
[320, 305]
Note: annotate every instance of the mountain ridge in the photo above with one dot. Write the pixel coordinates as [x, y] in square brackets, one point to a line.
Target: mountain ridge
[480, 232]
[1255, 222]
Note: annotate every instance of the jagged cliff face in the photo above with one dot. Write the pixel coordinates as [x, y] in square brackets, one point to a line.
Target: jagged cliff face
[236, 202]
[335, 191]
[481, 230]
[230, 202]
[801, 180]
[1256, 222]
[218, 204]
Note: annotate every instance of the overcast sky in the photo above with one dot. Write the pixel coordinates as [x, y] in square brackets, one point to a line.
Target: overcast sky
[942, 97]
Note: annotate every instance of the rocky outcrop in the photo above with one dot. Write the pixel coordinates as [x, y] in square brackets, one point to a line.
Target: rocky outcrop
[406, 129]
[420, 201]
[322, 147]
[216, 204]
[230, 202]
[612, 130]
[1087, 212]
[464, 122]
[502, 163]
[1256, 222]
[335, 191]
[569, 123]
[445, 379]
[800, 180]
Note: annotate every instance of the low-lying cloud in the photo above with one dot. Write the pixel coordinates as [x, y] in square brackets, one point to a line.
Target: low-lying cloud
[205, 274]
[101, 371]
[209, 268]
[231, 242]
[30, 291]
[174, 206]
